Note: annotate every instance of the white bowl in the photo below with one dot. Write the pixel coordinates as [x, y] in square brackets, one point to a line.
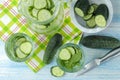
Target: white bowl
[81, 24]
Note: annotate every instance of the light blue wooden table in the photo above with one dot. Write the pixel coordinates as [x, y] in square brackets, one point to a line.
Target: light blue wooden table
[108, 71]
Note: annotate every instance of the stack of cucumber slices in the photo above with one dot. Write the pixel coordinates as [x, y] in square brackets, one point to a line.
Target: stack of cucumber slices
[93, 14]
[19, 47]
[22, 47]
[41, 10]
[69, 58]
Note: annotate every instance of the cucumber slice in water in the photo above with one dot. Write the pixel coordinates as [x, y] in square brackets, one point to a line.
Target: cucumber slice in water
[20, 54]
[39, 4]
[44, 15]
[71, 50]
[35, 12]
[20, 41]
[64, 54]
[26, 47]
[56, 71]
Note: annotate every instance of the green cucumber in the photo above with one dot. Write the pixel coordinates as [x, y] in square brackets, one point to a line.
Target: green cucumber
[20, 54]
[100, 42]
[35, 12]
[101, 15]
[71, 50]
[81, 7]
[50, 4]
[64, 54]
[56, 71]
[26, 47]
[91, 10]
[44, 15]
[87, 17]
[91, 22]
[94, 5]
[51, 49]
[20, 41]
[40, 4]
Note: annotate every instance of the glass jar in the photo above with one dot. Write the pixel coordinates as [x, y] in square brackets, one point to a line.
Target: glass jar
[76, 60]
[14, 42]
[47, 26]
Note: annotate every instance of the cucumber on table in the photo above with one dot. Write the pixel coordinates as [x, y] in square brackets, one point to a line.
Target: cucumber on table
[101, 15]
[51, 49]
[56, 71]
[81, 7]
[96, 41]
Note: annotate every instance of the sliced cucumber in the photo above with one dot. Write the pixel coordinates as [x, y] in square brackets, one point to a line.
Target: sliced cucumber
[82, 7]
[87, 17]
[39, 4]
[71, 50]
[30, 8]
[40, 27]
[79, 12]
[44, 15]
[64, 54]
[94, 5]
[101, 15]
[35, 12]
[56, 71]
[48, 4]
[20, 41]
[100, 21]
[26, 47]
[91, 10]
[20, 54]
[91, 23]
[52, 10]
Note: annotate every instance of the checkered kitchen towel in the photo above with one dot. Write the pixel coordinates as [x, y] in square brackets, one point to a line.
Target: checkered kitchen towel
[12, 22]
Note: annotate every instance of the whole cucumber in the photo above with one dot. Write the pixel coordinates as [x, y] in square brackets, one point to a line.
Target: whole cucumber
[51, 49]
[104, 42]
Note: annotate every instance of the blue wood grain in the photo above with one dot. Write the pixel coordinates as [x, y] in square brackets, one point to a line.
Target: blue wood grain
[108, 71]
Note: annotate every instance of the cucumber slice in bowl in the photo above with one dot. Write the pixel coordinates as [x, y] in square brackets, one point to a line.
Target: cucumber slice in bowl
[26, 47]
[44, 15]
[39, 4]
[64, 54]
[20, 54]
[101, 15]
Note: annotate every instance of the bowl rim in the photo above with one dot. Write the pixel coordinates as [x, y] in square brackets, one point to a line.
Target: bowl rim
[91, 30]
